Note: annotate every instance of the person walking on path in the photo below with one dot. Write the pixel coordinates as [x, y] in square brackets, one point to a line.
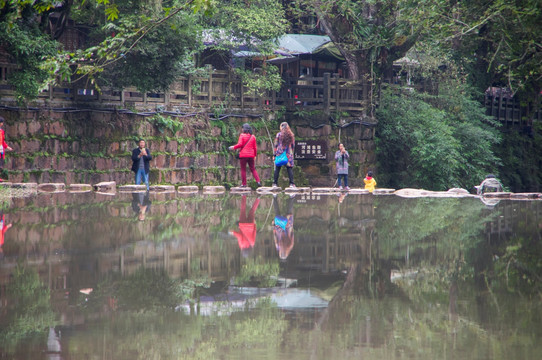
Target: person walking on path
[370, 182]
[3, 146]
[341, 159]
[141, 156]
[247, 154]
[284, 142]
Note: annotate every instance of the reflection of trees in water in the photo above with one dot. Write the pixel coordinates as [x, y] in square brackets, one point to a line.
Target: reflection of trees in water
[26, 311]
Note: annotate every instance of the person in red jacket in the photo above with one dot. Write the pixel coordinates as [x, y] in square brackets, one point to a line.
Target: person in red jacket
[246, 236]
[247, 154]
[3, 146]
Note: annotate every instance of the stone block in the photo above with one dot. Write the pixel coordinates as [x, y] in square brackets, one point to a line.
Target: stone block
[30, 146]
[189, 189]
[298, 190]
[80, 187]
[162, 188]
[240, 190]
[172, 146]
[57, 128]
[383, 191]
[52, 187]
[526, 196]
[105, 186]
[132, 188]
[214, 189]
[33, 128]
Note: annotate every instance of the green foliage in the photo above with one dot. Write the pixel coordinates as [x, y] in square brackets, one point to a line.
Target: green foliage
[155, 60]
[29, 312]
[24, 41]
[257, 24]
[167, 122]
[263, 273]
[434, 142]
[521, 170]
[259, 83]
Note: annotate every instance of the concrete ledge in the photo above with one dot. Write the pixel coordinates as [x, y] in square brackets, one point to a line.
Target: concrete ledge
[383, 191]
[80, 188]
[526, 196]
[162, 188]
[268, 189]
[240, 190]
[52, 187]
[497, 195]
[358, 191]
[132, 188]
[188, 189]
[26, 186]
[297, 190]
[325, 190]
[214, 189]
[106, 187]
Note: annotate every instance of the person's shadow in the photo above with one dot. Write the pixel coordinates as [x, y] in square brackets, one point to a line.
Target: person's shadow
[141, 204]
[283, 229]
[246, 235]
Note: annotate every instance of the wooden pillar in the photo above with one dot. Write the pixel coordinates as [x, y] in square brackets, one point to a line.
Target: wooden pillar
[210, 74]
[337, 94]
[327, 92]
[189, 90]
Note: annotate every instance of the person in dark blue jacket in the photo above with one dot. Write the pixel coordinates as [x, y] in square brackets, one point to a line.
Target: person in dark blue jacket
[141, 156]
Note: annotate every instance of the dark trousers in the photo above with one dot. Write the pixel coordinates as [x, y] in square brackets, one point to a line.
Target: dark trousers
[345, 177]
[290, 174]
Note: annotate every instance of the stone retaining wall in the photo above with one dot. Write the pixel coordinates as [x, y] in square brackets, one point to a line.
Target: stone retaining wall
[92, 146]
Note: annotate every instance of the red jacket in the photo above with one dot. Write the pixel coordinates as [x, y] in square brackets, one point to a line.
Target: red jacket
[249, 150]
[3, 143]
[246, 237]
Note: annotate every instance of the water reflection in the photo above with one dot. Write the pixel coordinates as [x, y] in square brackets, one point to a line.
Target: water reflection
[141, 204]
[283, 229]
[370, 276]
[247, 229]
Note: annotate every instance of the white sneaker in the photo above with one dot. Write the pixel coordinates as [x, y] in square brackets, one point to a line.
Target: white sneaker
[292, 186]
[340, 187]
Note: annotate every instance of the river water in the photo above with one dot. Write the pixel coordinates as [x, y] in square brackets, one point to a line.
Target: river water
[164, 276]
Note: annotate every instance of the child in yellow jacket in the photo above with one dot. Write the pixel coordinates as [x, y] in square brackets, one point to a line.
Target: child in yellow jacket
[370, 182]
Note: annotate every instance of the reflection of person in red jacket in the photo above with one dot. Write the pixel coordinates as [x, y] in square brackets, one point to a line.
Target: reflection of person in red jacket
[247, 154]
[3, 146]
[3, 229]
[246, 236]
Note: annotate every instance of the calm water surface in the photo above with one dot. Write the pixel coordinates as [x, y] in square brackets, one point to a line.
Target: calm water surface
[90, 276]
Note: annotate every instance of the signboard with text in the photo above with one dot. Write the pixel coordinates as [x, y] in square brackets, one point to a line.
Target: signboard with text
[310, 150]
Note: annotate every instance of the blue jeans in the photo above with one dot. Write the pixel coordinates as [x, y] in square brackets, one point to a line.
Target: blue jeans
[141, 174]
[345, 177]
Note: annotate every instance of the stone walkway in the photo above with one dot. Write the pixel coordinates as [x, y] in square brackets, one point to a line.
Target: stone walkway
[111, 188]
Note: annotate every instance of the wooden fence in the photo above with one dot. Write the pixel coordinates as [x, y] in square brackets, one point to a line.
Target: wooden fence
[224, 90]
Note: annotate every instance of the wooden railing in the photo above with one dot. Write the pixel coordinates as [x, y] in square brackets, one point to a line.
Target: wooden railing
[223, 89]
[218, 89]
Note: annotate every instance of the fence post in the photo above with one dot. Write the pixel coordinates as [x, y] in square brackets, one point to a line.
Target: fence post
[210, 72]
[189, 90]
[337, 94]
[327, 93]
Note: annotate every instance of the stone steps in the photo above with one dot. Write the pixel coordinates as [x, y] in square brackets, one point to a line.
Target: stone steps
[110, 188]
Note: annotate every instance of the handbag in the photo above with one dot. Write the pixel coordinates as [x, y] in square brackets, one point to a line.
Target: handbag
[237, 155]
[281, 222]
[281, 159]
